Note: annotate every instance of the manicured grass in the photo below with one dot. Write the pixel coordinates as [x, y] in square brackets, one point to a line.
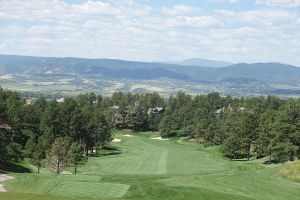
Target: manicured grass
[143, 156]
[142, 168]
[89, 189]
[66, 186]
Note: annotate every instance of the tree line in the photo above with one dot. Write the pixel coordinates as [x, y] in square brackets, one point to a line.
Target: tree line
[243, 127]
[62, 134]
[53, 134]
[260, 126]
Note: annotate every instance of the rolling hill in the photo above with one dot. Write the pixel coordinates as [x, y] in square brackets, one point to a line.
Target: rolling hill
[205, 62]
[236, 79]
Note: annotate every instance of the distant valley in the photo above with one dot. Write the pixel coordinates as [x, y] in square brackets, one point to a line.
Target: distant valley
[70, 76]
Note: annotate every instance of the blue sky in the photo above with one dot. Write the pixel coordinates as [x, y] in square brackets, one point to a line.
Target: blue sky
[204, 4]
[153, 30]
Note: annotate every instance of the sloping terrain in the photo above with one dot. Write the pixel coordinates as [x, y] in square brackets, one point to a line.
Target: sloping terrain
[141, 168]
[205, 62]
[24, 73]
[263, 72]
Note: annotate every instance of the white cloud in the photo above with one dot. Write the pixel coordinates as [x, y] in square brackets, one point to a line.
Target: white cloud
[225, 13]
[262, 17]
[180, 9]
[95, 7]
[2, 15]
[192, 22]
[130, 30]
[281, 3]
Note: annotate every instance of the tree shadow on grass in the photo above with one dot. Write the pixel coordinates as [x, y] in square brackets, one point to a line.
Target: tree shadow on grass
[111, 148]
[242, 160]
[106, 151]
[273, 162]
[13, 168]
[104, 154]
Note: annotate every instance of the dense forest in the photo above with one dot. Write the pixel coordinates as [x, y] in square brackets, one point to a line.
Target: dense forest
[61, 133]
[52, 133]
[258, 126]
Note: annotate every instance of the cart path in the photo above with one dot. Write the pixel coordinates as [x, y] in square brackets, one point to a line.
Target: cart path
[4, 177]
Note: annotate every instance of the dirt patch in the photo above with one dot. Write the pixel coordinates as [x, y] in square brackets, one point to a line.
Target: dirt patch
[4, 177]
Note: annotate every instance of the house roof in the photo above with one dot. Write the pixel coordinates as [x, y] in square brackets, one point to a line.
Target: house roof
[115, 107]
[5, 126]
[61, 100]
[155, 109]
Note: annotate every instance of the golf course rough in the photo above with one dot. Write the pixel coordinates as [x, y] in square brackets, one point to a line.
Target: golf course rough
[143, 168]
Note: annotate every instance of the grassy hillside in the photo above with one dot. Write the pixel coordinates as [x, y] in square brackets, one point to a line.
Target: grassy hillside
[143, 168]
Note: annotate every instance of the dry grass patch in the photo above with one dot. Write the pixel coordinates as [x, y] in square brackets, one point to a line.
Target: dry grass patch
[291, 171]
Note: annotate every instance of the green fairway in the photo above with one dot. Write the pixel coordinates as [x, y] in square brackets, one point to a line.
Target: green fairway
[144, 156]
[142, 168]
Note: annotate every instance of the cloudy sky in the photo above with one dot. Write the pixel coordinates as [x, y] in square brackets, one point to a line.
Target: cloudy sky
[153, 30]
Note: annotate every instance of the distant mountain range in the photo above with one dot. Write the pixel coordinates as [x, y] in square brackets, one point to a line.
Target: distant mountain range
[203, 62]
[258, 72]
[193, 70]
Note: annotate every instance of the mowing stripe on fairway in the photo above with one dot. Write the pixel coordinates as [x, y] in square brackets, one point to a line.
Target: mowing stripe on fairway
[162, 163]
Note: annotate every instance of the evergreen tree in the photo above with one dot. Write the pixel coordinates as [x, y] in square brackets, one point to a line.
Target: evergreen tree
[75, 155]
[57, 156]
